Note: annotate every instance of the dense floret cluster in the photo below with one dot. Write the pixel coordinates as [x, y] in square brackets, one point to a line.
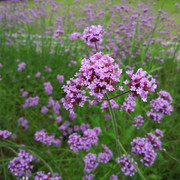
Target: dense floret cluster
[21, 66]
[98, 74]
[31, 101]
[93, 34]
[106, 155]
[139, 84]
[160, 106]
[114, 104]
[5, 134]
[146, 147]
[48, 88]
[43, 137]
[21, 165]
[89, 138]
[127, 167]
[42, 176]
[90, 162]
[138, 121]
[129, 104]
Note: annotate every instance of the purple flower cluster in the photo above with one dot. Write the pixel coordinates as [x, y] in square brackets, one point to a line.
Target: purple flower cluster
[38, 74]
[129, 104]
[43, 137]
[142, 146]
[57, 32]
[54, 104]
[160, 106]
[42, 176]
[159, 133]
[165, 95]
[106, 155]
[88, 177]
[97, 74]
[21, 66]
[44, 110]
[146, 147]
[113, 177]
[60, 78]
[48, 88]
[31, 101]
[47, 69]
[23, 122]
[139, 84]
[114, 104]
[138, 121]
[90, 162]
[74, 36]
[74, 94]
[154, 140]
[93, 34]
[89, 138]
[127, 168]
[5, 134]
[20, 166]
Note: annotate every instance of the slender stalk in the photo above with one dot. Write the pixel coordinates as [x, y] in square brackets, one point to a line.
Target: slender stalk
[125, 152]
[96, 46]
[114, 123]
[118, 95]
[118, 143]
[105, 99]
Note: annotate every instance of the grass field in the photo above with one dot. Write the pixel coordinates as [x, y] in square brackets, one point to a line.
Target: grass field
[133, 41]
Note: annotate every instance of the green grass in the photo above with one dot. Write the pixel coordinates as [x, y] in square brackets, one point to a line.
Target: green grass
[61, 159]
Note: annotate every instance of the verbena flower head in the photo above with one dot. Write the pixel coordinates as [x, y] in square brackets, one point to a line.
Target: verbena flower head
[143, 147]
[31, 101]
[93, 34]
[88, 177]
[139, 84]
[129, 104]
[57, 33]
[89, 138]
[21, 165]
[90, 162]
[159, 133]
[21, 66]
[44, 110]
[48, 88]
[160, 106]
[106, 155]
[42, 176]
[127, 168]
[60, 78]
[156, 143]
[74, 94]
[165, 95]
[99, 74]
[74, 36]
[43, 137]
[114, 104]
[23, 122]
[138, 121]
[5, 134]
[113, 177]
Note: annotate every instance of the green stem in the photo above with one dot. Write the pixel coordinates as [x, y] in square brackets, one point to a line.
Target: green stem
[125, 152]
[114, 123]
[96, 46]
[118, 143]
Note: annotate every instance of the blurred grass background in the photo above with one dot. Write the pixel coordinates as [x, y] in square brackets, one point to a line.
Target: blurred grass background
[62, 160]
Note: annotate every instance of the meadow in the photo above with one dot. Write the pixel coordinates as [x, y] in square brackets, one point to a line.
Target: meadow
[55, 127]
